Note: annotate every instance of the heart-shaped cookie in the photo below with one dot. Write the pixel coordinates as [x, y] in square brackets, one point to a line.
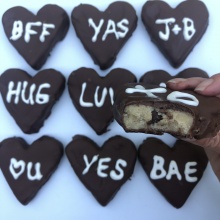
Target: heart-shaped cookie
[29, 99]
[160, 77]
[28, 167]
[34, 36]
[103, 34]
[103, 170]
[93, 95]
[175, 30]
[173, 171]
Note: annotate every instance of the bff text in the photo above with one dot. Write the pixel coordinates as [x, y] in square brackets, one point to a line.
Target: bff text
[18, 29]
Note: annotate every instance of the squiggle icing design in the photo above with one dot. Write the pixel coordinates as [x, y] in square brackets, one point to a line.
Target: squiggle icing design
[148, 92]
[175, 97]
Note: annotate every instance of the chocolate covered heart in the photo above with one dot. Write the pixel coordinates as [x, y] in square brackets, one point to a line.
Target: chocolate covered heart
[34, 36]
[103, 170]
[160, 77]
[29, 99]
[28, 167]
[103, 34]
[175, 30]
[173, 171]
[92, 94]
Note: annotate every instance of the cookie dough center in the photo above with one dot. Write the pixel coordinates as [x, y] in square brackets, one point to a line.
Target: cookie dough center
[143, 117]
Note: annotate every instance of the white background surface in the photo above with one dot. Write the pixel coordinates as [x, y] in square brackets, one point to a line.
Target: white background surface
[64, 196]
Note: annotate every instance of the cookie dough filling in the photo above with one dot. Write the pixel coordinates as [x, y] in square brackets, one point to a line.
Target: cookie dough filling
[143, 117]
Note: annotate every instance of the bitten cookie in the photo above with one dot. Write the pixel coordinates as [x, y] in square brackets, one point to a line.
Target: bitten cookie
[153, 109]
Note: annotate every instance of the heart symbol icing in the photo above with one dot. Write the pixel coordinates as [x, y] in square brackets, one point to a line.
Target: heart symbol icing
[175, 30]
[28, 167]
[173, 171]
[29, 99]
[103, 34]
[34, 36]
[92, 95]
[103, 170]
[160, 77]
[14, 164]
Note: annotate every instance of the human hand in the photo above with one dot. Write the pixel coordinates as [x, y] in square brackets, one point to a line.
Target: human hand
[207, 87]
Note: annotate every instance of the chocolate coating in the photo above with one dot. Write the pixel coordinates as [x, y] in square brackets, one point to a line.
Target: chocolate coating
[119, 18]
[206, 116]
[45, 151]
[36, 51]
[177, 36]
[33, 103]
[176, 190]
[98, 116]
[102, 185]
[156, 77]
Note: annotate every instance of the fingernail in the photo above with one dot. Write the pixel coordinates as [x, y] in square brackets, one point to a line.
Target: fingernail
[177, 80]
[202, 86]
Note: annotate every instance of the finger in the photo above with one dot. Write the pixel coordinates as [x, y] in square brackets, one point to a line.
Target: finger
[208, 143]
[210, 87]
[180, 83]
[214, 159]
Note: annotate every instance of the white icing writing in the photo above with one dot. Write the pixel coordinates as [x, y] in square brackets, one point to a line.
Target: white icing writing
[89, 164]
[118, 165]
[37, 175]
[98, 103]
[188, 170]
[165, 36]
[158, 171]
[102, 100]
[102, 167]
[173, 96]
[173, 170]
[18, 29]
[14, 164]
[45, 32]
[188, 28]
[110, 29]
[21, 92]
[97, 29]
